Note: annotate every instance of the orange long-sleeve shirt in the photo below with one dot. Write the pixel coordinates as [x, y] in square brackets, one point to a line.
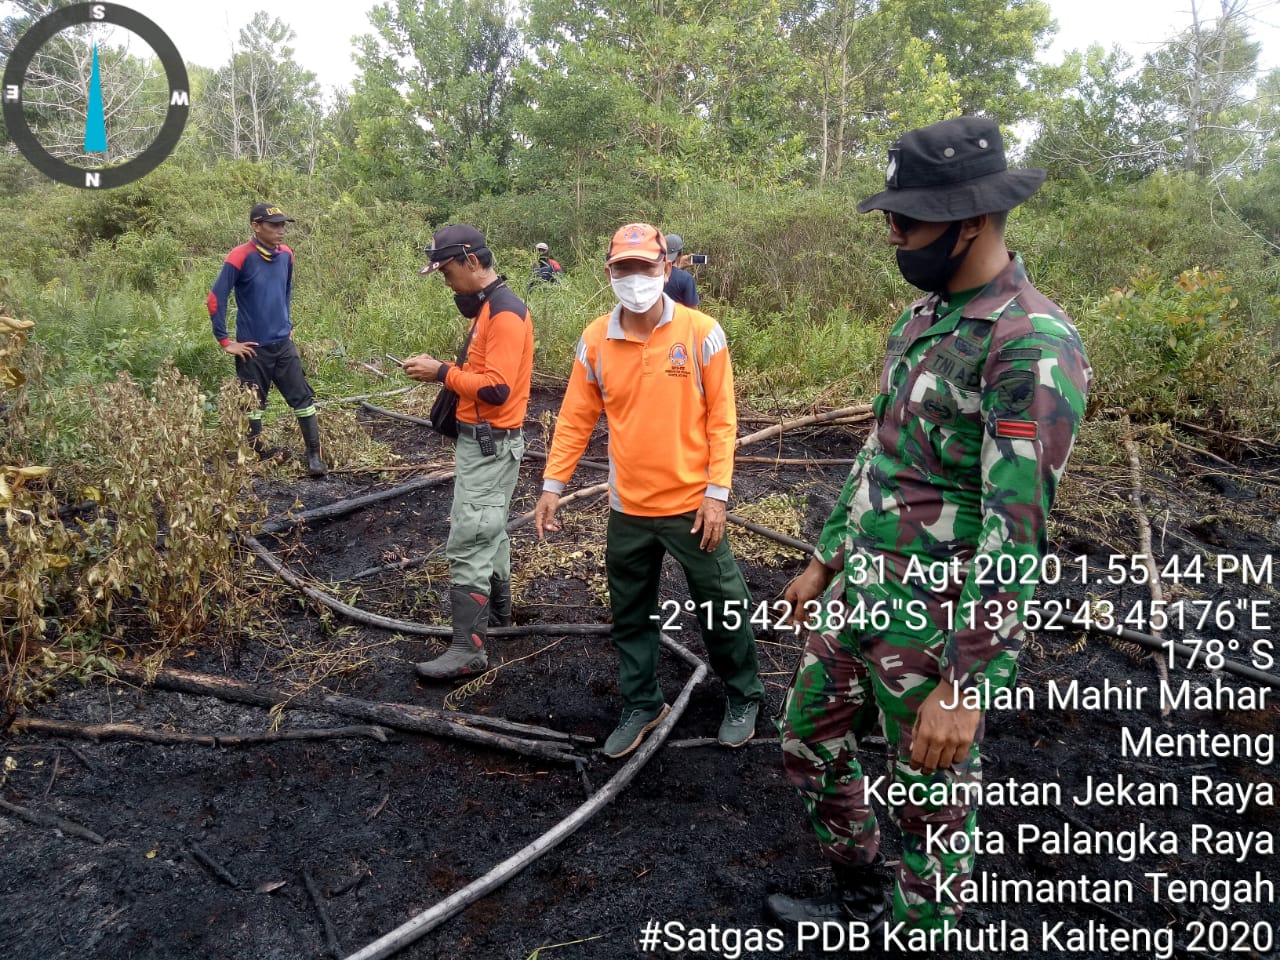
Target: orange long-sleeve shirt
[493, 384]
[670, 407]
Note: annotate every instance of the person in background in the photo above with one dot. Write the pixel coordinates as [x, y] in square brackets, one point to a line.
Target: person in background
[661, 374]
[493, 396]
[981, 396]
[680, 286]
[260, 274]
[547, 269]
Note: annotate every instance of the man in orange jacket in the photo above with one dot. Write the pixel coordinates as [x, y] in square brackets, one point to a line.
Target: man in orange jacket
[661, 373]
[493, 395]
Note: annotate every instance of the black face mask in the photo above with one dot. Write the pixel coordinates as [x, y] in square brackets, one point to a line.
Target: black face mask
[930, 267]
[469, 304]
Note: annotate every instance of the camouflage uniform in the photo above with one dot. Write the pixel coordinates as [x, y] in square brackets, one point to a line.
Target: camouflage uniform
[979, 406]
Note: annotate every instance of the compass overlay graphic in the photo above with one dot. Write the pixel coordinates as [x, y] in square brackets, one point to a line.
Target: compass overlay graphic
[106, 123]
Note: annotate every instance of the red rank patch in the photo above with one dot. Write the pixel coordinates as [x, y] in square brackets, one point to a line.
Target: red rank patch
[1017, 429]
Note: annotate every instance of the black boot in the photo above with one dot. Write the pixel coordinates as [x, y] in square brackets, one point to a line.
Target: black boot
[465, 656]
[311, 436]
[499, 602]
[857, 894]
[259, 443]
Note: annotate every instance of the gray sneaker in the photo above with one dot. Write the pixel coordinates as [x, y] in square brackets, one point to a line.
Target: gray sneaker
[739, 723]
[631, 730]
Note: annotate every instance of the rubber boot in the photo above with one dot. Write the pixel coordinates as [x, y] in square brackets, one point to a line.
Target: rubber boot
[311, 436]
[259, 443]
[499, 602]
[465, 656]
[857, 894]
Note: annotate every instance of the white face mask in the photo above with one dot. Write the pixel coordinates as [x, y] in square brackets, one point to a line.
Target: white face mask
[638, 292]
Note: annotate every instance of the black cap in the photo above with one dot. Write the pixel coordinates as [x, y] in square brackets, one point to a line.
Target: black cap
[268, 213]
[950, 171]
[452, 241]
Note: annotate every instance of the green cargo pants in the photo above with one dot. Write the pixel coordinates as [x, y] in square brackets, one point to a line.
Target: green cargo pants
[482, 487]
[634, 550]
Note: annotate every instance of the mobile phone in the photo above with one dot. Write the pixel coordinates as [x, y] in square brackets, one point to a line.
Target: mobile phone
[699, 259]
[396, 360]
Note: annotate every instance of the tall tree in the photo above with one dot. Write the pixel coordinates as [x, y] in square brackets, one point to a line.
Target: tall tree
[990, 48]
[261, 105]
[1205, 76]
[693, 89]
[433, 102]
[1107, 124]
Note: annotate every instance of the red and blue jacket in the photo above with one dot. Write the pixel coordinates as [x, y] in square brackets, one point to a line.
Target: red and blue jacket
[263, 288]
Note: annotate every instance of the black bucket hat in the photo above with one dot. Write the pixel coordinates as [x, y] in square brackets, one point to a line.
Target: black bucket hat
[951, 170]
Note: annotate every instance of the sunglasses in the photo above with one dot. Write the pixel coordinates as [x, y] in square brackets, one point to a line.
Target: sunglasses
[900, 222]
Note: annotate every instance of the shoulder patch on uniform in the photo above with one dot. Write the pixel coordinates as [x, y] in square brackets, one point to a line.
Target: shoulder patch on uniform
[1017, 429]
[1015, 389]
[1020, 353]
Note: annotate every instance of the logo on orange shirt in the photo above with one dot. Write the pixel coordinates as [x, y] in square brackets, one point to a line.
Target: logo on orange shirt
[678, 356]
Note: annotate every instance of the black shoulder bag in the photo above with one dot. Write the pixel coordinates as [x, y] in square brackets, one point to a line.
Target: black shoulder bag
[444, 412]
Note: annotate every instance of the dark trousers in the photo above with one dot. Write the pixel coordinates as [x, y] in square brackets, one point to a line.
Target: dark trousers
[279, 364]
[634, 550]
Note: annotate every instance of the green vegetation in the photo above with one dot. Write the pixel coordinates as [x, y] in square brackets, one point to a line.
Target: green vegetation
[751, 128]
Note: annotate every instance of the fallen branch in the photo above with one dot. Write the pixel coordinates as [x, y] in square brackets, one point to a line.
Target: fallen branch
[343, 507]
[368, 396]
[217, 869]
[409, 626]
[1144, 550]
[398, 716]
[406, 564]
[858, 412]
[805, 548]
[131, 731]
[797, 461]
[525, 518]
[395, 415]
[330, 934]
[431, 918]
[388, 468]
[713, 742]
[49, 820]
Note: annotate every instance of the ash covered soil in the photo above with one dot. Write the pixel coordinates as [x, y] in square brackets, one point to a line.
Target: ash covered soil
[702, 834]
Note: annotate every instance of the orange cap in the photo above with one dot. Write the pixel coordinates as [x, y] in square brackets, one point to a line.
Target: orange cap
[637, 241]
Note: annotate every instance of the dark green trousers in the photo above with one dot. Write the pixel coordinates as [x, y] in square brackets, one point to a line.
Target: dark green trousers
[634, 550]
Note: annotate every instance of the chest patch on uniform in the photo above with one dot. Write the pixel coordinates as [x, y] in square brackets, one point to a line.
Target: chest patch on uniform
[938, 407]
[1019, 353]
[951, 364]
[897, 346]
[1017, 429]
[1014, 391]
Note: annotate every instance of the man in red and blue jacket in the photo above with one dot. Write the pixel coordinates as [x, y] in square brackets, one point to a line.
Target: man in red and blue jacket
[260, 273]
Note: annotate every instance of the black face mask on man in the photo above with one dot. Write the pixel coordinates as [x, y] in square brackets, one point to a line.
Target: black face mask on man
[930, 267]
[469, 304]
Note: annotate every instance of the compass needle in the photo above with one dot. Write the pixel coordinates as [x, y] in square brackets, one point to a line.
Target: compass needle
[95, 122]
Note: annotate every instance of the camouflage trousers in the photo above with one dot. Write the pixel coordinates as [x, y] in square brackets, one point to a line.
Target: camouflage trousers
[846, 677]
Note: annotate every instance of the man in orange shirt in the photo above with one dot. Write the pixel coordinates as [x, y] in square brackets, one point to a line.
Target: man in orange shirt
[660, 371]
[493, 394]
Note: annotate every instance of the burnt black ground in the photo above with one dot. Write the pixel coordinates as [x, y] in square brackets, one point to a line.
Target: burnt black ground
[700, 837]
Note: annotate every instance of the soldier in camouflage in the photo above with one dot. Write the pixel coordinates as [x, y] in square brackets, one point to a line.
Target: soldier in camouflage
[936, 543]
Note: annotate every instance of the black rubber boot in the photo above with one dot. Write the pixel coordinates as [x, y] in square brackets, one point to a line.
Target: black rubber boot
[499, 602]
[311, 436]
[259, 443]
[856, 894]
[465, 656]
